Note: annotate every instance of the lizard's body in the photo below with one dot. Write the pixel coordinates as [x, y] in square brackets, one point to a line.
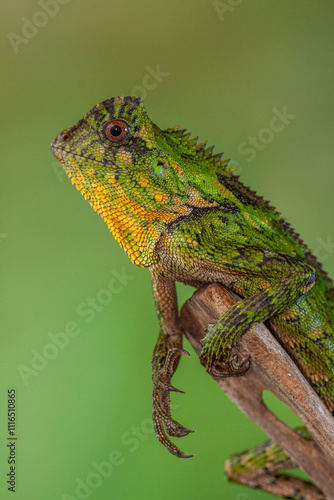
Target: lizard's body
[181, 212]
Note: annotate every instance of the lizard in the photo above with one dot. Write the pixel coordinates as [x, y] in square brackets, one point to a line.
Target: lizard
[179, 210]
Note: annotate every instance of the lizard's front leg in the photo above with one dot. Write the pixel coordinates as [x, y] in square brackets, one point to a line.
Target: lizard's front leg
[166, 357]
[287, 280]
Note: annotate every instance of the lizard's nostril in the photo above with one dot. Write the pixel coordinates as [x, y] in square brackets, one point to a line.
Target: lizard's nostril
[66, 137]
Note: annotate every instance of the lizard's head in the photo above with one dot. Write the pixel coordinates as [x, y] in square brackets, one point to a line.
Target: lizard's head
[133, 174]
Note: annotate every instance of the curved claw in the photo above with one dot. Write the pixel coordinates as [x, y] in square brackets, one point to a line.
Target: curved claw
[162, 437]
[230, 370]
[240, 366]
[170, 364]
[179, 431]
[171, 388]
[163, 422]
[227, 366]
[173, 352]
[167, 386]
[173, 427]
[183, 352]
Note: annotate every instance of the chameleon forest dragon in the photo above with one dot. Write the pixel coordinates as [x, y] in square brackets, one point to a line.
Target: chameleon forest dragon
[177, 209]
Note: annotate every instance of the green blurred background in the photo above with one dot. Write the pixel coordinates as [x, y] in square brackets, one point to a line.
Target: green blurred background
[218, 69]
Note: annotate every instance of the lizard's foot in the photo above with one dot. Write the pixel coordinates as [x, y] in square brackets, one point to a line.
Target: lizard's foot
[219, 357]
[163, 371]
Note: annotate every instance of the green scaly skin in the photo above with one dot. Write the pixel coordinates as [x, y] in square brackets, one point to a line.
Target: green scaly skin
[178, 210]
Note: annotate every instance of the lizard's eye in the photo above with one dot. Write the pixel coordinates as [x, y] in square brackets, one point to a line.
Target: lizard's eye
[117, 130]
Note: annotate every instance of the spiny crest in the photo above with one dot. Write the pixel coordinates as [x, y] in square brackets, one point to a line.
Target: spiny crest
[182, 138]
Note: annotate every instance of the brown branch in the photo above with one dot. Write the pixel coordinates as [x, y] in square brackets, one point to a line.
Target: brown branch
[273, 370]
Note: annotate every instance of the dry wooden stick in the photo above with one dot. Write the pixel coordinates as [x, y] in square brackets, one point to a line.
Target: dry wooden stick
[273, 370]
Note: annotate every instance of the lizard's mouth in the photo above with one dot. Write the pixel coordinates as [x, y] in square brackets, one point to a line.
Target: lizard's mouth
[63, 147]
[62, 138]
[57, 145]
[56, 151]
[62, 154]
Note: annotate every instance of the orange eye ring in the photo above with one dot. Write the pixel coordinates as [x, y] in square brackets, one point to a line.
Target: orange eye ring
[117, 131]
